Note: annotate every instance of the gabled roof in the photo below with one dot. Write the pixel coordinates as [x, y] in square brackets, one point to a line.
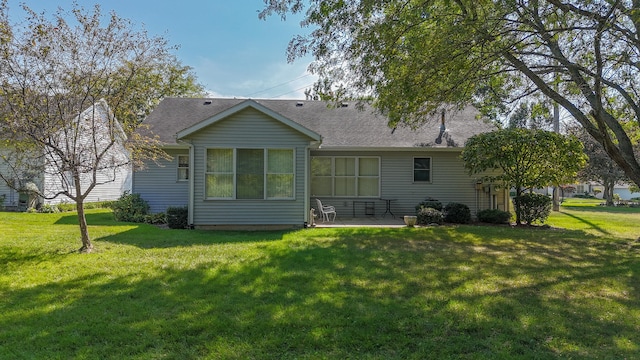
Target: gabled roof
[343, 127]
[239, 107]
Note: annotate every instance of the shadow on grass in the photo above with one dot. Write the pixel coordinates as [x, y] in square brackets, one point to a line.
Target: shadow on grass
[367, 293]
[147, 236]
[604, 209]
[587, 222]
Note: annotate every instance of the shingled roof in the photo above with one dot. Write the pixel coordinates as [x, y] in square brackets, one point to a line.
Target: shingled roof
[341, 127]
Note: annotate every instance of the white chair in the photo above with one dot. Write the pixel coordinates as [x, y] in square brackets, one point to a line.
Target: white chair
[326, 210]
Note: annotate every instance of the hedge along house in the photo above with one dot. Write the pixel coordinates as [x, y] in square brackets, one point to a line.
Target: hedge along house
[244, 162]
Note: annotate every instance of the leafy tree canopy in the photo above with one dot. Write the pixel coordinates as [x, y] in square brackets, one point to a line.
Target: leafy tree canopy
[414, 56]
[524, 158]
[54, 71]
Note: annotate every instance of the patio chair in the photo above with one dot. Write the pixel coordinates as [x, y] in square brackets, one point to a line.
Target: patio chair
[326, 210]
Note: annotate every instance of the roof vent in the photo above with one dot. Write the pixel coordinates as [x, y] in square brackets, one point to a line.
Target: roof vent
[344, 104]
[208, 102]
[299, 104]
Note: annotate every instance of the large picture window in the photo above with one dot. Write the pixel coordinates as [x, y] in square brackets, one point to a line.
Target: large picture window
[421, 169]
[345, 176]
[250, 174]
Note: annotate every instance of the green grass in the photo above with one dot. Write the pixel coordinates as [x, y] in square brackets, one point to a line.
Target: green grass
[464, 292]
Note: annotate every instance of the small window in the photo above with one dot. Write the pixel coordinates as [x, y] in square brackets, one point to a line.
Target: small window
[183, 167]
[421, 169]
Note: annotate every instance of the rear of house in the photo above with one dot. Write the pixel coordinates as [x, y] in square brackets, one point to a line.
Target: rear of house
[262, 163]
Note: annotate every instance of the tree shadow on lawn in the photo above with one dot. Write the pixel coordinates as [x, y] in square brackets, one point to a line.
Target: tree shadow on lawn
[433, 293]
[361, 294]
[149, 236]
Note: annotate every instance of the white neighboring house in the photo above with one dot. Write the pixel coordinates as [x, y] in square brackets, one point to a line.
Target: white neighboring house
[111, 181]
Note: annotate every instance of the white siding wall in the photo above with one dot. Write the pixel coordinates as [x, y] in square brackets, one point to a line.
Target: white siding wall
[10, 195]
[159, 185]
[249, 129]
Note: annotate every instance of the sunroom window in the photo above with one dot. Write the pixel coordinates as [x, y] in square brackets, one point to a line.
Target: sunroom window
[250, 174]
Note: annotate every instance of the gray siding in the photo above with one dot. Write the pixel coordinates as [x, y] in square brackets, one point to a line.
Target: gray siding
[449, 183]
[159, 185]
[249, 129]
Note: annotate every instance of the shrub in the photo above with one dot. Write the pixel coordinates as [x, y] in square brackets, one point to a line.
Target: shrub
[429, 203]
[49, 209]
[130, 207]
[533, 207]
[71, 206]
[494, 216]
[457, 213]
[155, 219]
[177, 217]
[428, 216]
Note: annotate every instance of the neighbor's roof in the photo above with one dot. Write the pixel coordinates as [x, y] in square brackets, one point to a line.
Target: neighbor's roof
[340, 127]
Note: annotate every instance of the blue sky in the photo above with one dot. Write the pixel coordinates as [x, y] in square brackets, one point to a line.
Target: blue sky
[232, 52]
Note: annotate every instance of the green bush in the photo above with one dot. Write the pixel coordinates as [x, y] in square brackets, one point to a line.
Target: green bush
[429, 203]
[49, 209]
[130, 207]
[427, 216]
[177, 217]
[155, 219]
[88, 205]
[533, 207]
[457, 213]
[494, 216]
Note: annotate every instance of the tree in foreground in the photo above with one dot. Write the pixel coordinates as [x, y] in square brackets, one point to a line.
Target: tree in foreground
[523, 159]
[414, 56]
[64, 87]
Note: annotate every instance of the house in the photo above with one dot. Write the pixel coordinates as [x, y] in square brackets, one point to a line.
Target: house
[244, 162]
[112, 179]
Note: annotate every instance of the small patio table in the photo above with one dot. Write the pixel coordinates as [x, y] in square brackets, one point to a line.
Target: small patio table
[388, 207]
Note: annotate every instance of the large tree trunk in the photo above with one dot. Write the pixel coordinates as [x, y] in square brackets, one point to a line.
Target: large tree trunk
[607, 194]
[87, 246]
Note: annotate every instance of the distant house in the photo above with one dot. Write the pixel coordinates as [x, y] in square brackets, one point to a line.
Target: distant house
[264, 162]
[111, 181]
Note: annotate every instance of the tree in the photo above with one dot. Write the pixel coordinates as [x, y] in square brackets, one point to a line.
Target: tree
[599, 167]
[523, 158]
[53, 75]
[414, 56]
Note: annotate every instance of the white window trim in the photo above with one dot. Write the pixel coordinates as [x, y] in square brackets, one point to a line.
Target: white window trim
[356, 176]
[178, 167]
[265, 173]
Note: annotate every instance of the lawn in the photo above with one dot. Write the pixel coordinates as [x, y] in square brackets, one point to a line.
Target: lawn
[463, 292]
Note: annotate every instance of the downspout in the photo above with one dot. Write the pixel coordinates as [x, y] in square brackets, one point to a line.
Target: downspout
[307, 180]
[191, 181]
[192, 172]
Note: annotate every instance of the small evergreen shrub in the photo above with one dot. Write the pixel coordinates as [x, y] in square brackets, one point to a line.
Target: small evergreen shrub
[427, 216]
[457, 213]
[429, 203]
[494, 216]
[177, 217]
[533, 207]
[49, 209]
[130, 207]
